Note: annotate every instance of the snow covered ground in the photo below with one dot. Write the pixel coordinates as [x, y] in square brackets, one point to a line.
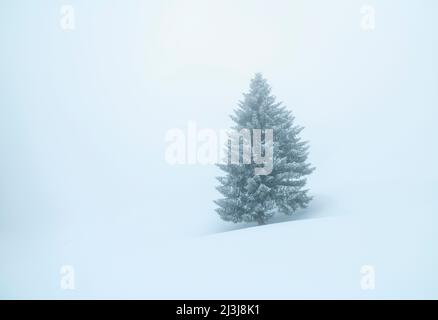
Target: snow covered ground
[318, 255]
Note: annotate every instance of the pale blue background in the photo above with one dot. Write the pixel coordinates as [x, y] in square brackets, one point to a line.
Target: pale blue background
[84, 182]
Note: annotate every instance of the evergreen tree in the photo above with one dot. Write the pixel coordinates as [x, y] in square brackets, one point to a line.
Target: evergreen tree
[249, 197]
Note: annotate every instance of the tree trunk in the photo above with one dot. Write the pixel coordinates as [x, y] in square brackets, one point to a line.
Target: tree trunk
[260, 221]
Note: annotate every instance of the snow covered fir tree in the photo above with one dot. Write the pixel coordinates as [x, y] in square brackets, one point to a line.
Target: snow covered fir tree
[251, 197]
